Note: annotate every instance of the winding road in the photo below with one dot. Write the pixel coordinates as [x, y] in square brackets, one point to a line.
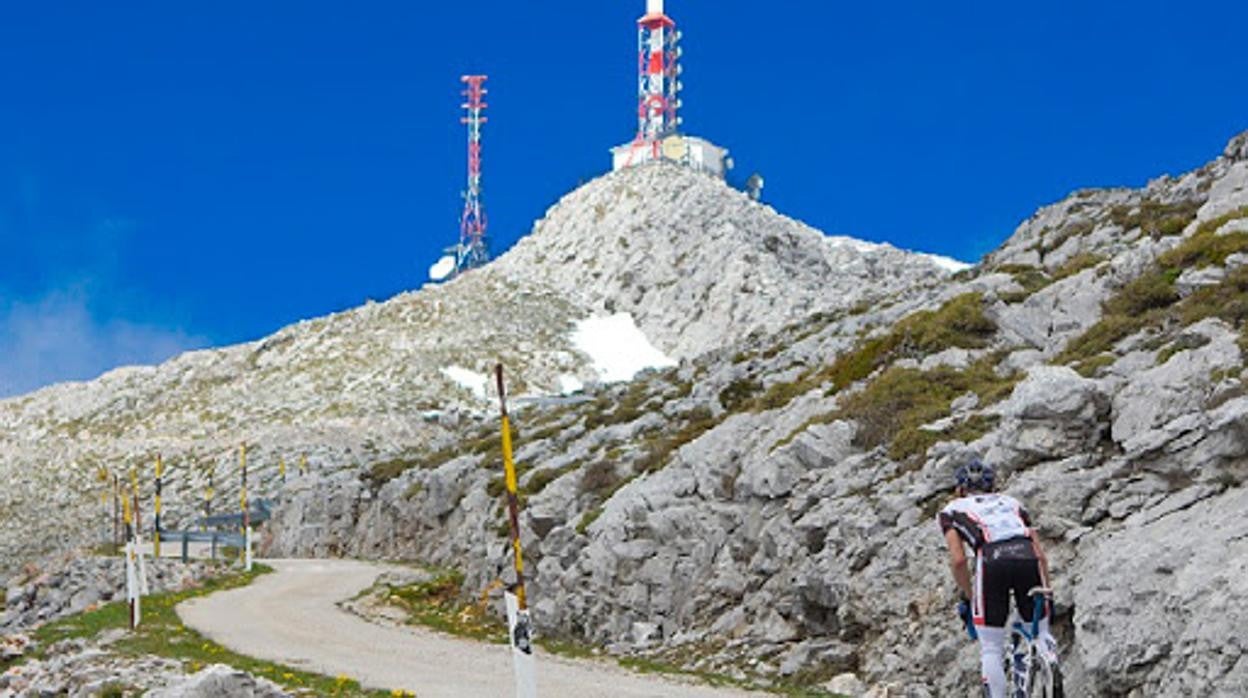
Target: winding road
[292, 617]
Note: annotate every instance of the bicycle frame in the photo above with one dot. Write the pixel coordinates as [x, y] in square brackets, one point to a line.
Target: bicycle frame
[1022, 646]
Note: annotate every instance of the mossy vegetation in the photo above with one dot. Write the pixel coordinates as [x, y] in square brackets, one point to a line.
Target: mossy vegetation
[1155, 218]
[1152, 301]
[892, 408]
[960, 322]
[162, 634]
[438, 604]
[739, 392]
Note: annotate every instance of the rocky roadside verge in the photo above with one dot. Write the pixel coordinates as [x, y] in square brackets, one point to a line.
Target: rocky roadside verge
[69, 585]
[66, 586]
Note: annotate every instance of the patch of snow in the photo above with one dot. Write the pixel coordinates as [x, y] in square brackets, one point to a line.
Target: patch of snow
[617, 347]
[569, 384]
[442, 268]
[469, 380]
[949, 264]
[854, 244]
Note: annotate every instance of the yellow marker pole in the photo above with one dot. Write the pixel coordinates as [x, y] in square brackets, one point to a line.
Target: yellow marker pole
[303, 464]
[160, 471]
[101, 475]
[134, 494]
[513, 500]
[242, 492]
[519, 624]
[281, 468]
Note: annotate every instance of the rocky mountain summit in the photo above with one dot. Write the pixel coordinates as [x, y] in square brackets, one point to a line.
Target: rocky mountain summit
[408, 375]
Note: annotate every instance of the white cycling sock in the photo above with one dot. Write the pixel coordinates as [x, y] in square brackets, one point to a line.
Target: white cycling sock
[991, 648]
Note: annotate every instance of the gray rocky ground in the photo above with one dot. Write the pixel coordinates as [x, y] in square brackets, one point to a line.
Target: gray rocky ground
[69, 585]
[766, 507]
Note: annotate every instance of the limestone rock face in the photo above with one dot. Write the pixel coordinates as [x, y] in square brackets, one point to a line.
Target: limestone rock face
[699, 264]
[1054, 413]
[1196, 567]
[1180, 386]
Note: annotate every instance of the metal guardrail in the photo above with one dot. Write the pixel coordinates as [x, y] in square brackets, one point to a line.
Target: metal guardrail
[232, 537]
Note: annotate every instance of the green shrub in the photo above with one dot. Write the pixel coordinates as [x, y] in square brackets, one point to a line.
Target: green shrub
[599, 478]
[1076, 264]
[587, 519]
[1155, 218]
[892, 407]
[1151, 291]
[738, 393]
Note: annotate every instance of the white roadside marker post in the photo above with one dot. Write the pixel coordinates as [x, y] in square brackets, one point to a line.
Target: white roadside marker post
[519, 624]
[138, 534]
[242, 455]
[132, 582]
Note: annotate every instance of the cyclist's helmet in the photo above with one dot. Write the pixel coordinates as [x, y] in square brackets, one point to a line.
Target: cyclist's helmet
[975, 476]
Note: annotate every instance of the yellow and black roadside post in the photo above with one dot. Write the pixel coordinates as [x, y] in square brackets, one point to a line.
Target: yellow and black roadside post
[101, 476]
[281, 468]
[519, 624]
[160, 468]
[134, 494]
[303, 464]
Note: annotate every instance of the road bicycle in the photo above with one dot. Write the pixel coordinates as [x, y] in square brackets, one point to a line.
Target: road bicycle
[1031, 663]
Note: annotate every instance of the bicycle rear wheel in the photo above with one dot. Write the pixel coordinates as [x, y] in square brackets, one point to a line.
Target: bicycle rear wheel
[1044, 679]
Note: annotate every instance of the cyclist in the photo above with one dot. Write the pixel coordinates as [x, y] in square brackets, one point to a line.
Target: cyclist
[1008, 560]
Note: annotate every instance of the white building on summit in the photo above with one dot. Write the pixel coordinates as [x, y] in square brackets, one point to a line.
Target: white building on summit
[658, 104]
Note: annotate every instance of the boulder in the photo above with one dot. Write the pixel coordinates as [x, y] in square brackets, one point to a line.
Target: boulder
[1180, 386]
[1052, 413]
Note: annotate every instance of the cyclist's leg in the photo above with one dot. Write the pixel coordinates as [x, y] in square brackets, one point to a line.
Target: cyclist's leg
[991, 651]
[1029, 576]
[991, 607]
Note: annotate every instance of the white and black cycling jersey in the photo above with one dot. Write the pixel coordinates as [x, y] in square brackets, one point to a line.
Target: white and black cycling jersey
[981, 519]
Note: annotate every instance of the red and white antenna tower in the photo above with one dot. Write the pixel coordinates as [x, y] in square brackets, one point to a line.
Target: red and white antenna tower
[658, 73]
[472, 250]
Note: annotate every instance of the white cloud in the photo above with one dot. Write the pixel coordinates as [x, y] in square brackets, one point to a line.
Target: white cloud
[58, 339]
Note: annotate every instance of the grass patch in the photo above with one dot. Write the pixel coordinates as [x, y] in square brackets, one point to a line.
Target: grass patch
[540, 479]
[1154, 218]
[890, 410]
[629, 407]
[438, 604]
[587, 519]
[1089, 368]
[163, 634]
[738, 393]
[1151, 300]
[1076, 264]
[961, 322]
[658, 449]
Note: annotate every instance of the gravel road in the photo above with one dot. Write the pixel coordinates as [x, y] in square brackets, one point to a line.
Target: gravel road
[292, 617]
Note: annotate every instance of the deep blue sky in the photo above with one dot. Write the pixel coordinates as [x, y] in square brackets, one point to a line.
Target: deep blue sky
[192, 174]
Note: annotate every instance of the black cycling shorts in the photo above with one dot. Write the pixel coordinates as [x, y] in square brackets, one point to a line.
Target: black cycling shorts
[1005, 569]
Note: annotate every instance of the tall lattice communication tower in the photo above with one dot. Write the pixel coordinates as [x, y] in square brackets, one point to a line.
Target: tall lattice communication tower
[473, 249]
[658, 71]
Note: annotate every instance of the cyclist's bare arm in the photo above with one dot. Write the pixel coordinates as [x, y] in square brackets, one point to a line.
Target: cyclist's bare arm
[957, 562]
[1041, 557]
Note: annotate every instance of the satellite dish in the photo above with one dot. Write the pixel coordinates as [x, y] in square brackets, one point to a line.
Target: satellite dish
[442, 269]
